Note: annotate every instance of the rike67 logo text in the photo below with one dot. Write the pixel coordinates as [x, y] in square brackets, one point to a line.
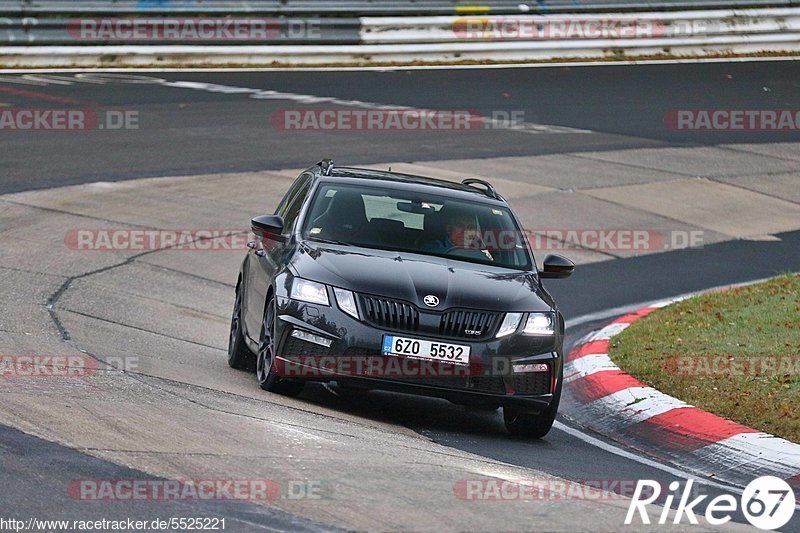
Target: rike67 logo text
[767, 503]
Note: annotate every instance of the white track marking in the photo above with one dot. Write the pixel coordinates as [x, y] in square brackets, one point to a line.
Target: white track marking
[569, 430]
[637, 404]
[737, 453]
[597, 443]
[606, 333]
[738, 444]
[489, 122]
[309, 99]
[587, 365]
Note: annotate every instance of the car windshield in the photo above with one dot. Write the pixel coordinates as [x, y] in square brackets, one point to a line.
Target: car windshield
[417, 222]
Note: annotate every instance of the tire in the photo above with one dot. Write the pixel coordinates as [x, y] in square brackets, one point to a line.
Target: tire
[267, 378]
[239, 355]
[535, 426]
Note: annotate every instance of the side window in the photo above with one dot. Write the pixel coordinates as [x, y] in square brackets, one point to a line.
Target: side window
[290, 194]
[293, 209]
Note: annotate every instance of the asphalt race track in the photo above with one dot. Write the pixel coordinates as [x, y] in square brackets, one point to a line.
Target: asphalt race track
[208, 123]
[192, 132]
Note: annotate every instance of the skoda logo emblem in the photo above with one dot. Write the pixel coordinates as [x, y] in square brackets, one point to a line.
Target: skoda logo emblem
[431, 300]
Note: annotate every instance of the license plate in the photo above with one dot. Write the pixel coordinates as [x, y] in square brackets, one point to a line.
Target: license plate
[436, 351]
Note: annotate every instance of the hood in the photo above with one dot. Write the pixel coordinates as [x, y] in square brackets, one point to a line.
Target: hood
[411, 277]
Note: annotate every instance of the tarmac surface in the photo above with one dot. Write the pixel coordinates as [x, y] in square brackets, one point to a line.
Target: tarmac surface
[382, 461]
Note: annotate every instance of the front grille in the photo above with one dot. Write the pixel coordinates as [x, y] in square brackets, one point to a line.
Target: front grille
[389, 314]
[532, 383]
[457, 323]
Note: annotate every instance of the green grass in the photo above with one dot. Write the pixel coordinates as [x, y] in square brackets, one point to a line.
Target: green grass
[689, 349]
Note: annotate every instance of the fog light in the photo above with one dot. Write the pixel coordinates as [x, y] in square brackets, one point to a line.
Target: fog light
[532, 367]
[310, 337]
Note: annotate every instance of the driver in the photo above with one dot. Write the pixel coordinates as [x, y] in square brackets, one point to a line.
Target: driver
[460, 235]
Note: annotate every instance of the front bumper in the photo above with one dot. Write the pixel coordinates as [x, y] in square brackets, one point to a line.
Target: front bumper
[336, 347]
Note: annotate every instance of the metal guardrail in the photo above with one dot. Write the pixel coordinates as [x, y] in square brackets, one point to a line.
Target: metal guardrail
[26, 8]
[82, 41]
[52, 22]
[581, 28]
[254, 30]
[448, 39]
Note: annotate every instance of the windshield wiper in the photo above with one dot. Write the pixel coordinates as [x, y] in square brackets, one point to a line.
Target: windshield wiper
[329, 241]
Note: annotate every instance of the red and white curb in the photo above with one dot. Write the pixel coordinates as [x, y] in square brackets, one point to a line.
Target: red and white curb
[617, 405]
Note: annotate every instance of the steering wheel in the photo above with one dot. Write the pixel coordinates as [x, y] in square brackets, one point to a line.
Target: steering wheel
[460, 251]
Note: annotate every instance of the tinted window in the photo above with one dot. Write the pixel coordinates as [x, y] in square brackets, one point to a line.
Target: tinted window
[422, 223]
[290, 194]
[294, 207]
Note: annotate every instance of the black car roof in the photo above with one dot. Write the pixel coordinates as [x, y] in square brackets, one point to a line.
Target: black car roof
[399, 180]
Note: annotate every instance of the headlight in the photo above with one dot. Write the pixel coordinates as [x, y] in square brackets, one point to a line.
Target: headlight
[540, 324]
[309, 291]
[346, 301]
[509, 325]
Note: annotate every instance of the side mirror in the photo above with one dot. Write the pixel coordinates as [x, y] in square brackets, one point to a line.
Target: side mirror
[269, 226]
[556, 267]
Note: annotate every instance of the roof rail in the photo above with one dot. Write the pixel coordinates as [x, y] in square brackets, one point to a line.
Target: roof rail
[327, 166]
[490, 192]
